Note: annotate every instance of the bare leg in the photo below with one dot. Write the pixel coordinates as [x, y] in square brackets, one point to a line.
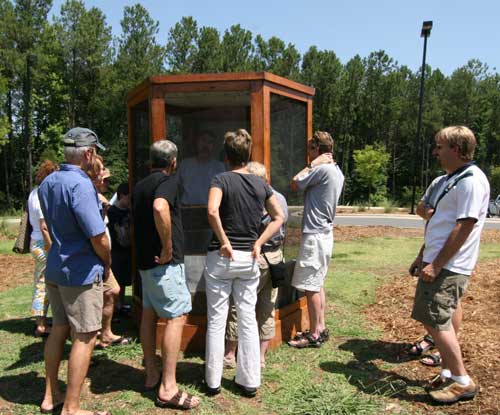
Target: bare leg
[264, 344]
[148, 343]
[170, 346]
[78, 364]
[110, 295]
[231, 346]
[448, 346]
[314, 308]
[322, 324]
[53, 352]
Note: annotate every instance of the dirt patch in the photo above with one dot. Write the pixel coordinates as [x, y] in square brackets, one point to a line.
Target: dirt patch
[478, 335]
[15, 270]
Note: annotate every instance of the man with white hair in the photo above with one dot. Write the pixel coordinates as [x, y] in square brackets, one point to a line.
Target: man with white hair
[78, 262]
[159, 241]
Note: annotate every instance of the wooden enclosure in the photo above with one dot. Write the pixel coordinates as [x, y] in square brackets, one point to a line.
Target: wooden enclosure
[278, 114]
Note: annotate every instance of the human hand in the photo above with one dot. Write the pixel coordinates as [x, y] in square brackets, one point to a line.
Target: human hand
[430, 272]
[324, 158]
[256, 250]
[416, 267]
[165, 256]
[428, 212]
[226, 250]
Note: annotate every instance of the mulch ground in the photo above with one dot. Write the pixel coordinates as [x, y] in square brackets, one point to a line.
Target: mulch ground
[478, 336]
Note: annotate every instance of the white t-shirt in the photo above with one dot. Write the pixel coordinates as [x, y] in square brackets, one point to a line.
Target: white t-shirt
[35, 214]
[195, 178]
[468, 199]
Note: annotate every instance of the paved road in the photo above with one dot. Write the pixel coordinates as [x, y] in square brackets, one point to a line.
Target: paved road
[398, 221]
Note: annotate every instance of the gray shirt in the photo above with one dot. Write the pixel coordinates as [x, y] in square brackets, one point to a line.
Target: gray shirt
[278, 238]
[322, 186]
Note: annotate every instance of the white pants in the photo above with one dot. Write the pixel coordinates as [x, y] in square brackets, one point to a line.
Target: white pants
[241, 278]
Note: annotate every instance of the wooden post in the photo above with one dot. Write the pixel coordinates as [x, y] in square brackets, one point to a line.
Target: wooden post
[260, 121]
[157, 117]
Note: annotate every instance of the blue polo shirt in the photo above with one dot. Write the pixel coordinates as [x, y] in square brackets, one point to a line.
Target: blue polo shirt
[71, 210]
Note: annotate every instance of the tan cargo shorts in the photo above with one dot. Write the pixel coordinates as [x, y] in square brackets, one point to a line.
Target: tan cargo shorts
[80, 307]
[436, 301]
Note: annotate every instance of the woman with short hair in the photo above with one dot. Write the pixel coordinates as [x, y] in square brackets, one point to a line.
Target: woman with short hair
[39, 247]
[236, 201]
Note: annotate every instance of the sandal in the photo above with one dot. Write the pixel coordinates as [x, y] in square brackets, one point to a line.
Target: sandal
[419, 350]
[120, 341]
[174, 402]
[433, 360]
[299, 335]
[306, 341]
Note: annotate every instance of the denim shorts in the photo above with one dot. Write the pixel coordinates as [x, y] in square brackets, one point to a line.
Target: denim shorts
[164, 289]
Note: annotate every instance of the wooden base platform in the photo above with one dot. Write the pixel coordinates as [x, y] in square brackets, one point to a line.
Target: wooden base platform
[289, 320]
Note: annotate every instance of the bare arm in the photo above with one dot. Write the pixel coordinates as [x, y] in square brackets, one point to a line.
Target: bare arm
[324, 158]
[423, 211]
[161, 213]
[102, 248]
[214, 201]
[277, 218]
[46, 235]
[456, 239]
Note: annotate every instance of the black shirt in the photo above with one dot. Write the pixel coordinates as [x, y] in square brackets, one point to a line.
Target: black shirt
[240, 211]
[147, 241]
[119, 228]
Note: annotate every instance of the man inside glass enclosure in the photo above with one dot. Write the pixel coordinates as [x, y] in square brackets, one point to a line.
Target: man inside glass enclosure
[322, 182]
[196, 173]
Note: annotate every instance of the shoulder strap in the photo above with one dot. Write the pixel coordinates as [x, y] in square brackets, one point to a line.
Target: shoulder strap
[451, 185]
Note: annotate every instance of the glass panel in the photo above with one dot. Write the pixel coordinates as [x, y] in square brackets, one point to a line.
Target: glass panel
[288, 144]
[196, 123]
[140, 140]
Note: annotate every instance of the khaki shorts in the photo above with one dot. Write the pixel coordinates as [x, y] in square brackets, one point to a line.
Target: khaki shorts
[110, 282]
[79, 307]
[314, 255]
[266, 300]
[436, 301]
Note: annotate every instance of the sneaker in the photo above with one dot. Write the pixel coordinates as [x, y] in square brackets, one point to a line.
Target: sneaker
[435, 383]
[246, 391]
[229, 362]
[452, 391]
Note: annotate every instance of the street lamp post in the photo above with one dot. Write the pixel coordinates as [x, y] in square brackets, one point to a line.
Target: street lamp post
[426, 32]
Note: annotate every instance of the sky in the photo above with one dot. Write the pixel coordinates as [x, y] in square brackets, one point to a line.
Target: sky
[462, 29]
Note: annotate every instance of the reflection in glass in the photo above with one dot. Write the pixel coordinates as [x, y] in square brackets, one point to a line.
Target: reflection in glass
[140, 140]
[288, 144]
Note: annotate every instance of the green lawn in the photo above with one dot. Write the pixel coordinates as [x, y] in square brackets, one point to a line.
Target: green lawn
[330, 380]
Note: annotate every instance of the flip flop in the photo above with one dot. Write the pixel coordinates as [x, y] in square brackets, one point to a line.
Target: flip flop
[432, 360]
[120, 341]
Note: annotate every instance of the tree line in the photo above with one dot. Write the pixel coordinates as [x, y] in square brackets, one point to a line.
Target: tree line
[70, 70]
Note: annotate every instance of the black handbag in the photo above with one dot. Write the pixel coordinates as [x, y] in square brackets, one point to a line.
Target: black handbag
[279, 272]
[22, 244]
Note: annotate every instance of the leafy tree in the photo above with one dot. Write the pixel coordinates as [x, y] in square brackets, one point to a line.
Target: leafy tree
[181, 46]
[495, 181]
[209, 53]
[371, 168]
[237, 50]
[274, 56]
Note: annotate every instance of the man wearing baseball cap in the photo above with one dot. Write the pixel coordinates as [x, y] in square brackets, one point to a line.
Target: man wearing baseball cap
[77, 264]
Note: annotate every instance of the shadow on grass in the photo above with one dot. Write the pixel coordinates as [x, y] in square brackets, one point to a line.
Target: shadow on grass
[23, 389]
[33, 353]
[111, 376]
[365, 350]
[371, 379]
[24, 326]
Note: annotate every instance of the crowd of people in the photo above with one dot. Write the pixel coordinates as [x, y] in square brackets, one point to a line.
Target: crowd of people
[81, 245]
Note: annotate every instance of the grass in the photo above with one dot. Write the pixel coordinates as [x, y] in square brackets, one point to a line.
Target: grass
[338, 378]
